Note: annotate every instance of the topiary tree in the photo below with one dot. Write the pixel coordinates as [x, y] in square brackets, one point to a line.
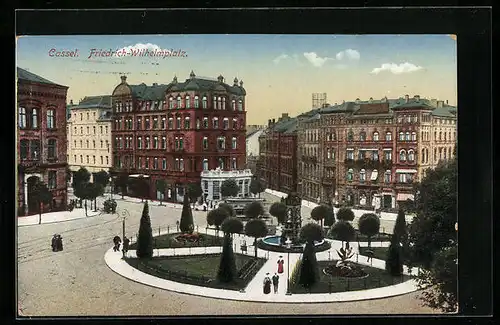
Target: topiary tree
[254, 210]
[101, 178]
[227, 266]
[256, 186]
[145, 237]
[81, 191]
[256, 228]
[278, 210]
[229, 188]
[186, 225]
[345, 214]
[309, 271]
[215, 218]
[41, 194]
[80, 178]
[94, 190]
[229, 209]
[394, 260]
[330, 217]
[321, 212]
[369, 225]
[343, 231]
[400, 230]
[161, 186]
[194, 191]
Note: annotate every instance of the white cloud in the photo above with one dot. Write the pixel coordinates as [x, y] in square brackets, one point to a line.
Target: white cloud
[316, 60]
[395, 68]
[140, 46]
[348, 54]
[280, 58]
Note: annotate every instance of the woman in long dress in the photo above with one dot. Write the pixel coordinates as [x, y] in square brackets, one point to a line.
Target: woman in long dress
[267, 284]
[281, 262]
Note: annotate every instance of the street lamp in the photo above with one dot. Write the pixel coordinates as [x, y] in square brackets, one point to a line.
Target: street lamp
[124, 214]
[288, 246]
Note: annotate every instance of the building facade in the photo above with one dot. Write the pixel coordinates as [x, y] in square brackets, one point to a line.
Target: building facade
[211, 181]
[252, 147]
[89, 135]
[373, 151]
[278, 155]
[41, 141]
[173, 132]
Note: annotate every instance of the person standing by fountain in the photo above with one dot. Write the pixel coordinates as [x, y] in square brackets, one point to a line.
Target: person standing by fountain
[281, 262]
[276, 280]
[267, 284]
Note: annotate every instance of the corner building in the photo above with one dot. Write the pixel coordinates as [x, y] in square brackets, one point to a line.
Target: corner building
[175, 131]
[41, 141]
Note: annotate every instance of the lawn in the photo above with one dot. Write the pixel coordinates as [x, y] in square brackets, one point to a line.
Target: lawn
[197, 269]
[378, 252]
[327, 284]
[360, 237]
[168, 241]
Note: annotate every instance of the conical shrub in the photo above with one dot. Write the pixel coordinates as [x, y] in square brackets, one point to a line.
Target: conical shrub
[145, 238]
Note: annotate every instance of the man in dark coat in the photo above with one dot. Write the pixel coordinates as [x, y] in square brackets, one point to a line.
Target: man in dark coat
[126, 243]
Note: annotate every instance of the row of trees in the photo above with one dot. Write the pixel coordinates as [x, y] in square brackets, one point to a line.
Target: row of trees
[85, 190]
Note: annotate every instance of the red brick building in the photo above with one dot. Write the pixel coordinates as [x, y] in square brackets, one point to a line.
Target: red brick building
[278, 155]
[175, 131]
[41, 140]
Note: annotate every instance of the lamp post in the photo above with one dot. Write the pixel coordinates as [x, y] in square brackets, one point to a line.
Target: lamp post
[124, 214]
[288, 246]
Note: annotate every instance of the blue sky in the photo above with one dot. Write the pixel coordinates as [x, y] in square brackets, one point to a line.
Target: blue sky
[279, 71]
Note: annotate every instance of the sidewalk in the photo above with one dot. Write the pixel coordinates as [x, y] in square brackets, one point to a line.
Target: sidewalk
[53, 217]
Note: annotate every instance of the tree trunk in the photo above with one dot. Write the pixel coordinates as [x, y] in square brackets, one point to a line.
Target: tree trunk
[95, 205]
[40, 213]
[255, 245]
[86, 208]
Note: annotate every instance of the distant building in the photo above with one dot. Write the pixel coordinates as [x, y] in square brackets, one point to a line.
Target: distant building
[211, 181]
[89, 134]
[277, 168]
[41, 141]
[252, 143]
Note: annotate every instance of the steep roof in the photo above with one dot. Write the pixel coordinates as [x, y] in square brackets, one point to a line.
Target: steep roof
[153, 92]
[103, 101]
[28, 76]
[205, 84]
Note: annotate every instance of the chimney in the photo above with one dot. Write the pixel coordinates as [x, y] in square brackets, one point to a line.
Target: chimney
[446, 102]
[407, 98]
[220, 79]
[417, 97]
[357, 100]
[434, 102]
[440, 103]
[274, 121]
[155, 84]
[71, 102]
[284, 115]
[269, 122]
[371, 99]
[124, 79]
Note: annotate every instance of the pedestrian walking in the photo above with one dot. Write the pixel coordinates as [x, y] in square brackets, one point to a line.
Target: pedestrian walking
[276, 280]
[116, 241]
[126, 243]
[267, 284]
[281, 262]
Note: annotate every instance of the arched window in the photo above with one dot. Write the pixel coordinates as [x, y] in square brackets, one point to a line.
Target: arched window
[414, 136]
[350, 136]
[233, 105]
[402, 155]
[362, 136]
[440, 134]
[34, 118]
[196, 102]
[328, 154]
[444, 136]
[444, 153]
[350, 175]
[240, 105]
[219, 103]
[407, 136]
[214, 105]
[426, 155]
[401, 136]
[362, 175]
[204, 102]
[449, 152]
[387, 176]
[205, 164]
[423, 156]
[375, 136]
[51, 119]
[179, 102]
[224, 103]
[411, 155]
[22, 117]
[187, 101]
[388, 136]
[449, 136]
[170, 103]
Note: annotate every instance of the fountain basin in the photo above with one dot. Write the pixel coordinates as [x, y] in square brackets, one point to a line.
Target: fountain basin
[273, 244]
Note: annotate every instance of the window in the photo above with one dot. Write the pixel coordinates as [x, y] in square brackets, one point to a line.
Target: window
[214, 106]
[155, 123]
[196, 102]
[204, 102]
[163, 123]
[362, 175]
[205, 164]
[181, 164]
[388, 136]
[164, 142]
[107, 145]
[414, 136]
[170, 123]
[235, 124]
[233, 143]
[155, 142]
[146, 163]
[408, 118]
[221, 142]
[205, 143]
[216, 123]
[223, 103]
[74, 143]
[24, 149]
[93, 143]
[107, 160]
[188, 102]
[34, 118]
[155, 163]
[205, 122]
[147, 143]
[350, 175]
[179, 102]
[350, 136]
[350, 154]
[88, 159]
[81, 143]
[102, 143]
[387, 176]
[139, 143]
[102, 161]
[375, 155]
[411, 155]
[401, 136]
[233, 163]
[164, 164]
[106, 129]
[233, 105]
[81, 159]
[375, 136]
[328, 153]
[52, 179]
[362, 136]
[138, 124]
[240, 105]
[187, 123]
[407, 136]
[75, 130]
[170, 103]
[88, 130]
[51, 148]
[147, 126]
[225, 123]
[402, 155]
[81, 116]
[221, 163]
[388, 155]
[50, 119]
[117, 145]
[74, 158]
[93, 159]
[219, 103]
[178, 124]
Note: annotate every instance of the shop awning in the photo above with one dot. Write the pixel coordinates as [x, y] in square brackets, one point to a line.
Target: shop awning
[406, 170]
[374, 175]
[404, 197]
